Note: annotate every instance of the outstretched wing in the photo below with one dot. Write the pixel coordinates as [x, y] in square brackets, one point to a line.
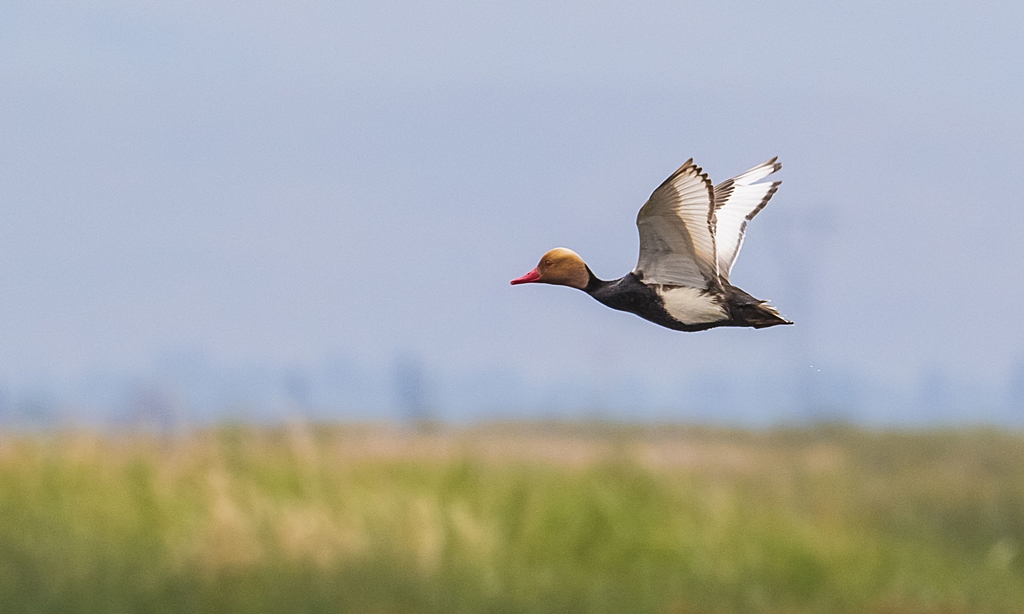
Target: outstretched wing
[677, 232]
[737, 201]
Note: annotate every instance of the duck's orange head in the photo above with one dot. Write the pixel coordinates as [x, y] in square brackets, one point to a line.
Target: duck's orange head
[560, 266]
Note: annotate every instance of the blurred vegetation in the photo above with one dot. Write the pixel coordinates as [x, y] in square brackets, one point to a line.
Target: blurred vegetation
[516, 518]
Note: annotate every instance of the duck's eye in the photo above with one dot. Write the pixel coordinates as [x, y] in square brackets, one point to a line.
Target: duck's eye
[547, 263]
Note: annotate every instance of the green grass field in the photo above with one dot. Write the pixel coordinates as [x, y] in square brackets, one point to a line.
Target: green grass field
[528, 518]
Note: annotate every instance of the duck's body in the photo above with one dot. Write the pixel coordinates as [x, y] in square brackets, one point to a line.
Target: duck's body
[682, 308]
[682, 278]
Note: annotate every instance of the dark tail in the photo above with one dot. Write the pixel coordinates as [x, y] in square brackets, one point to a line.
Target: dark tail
[760, 315]
[749, 311]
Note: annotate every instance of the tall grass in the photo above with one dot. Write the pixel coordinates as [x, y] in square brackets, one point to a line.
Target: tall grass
[531, 519]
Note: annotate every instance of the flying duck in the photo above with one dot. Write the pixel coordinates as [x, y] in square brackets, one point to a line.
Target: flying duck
[690, 235]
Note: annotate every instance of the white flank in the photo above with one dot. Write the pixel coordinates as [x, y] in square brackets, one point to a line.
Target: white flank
[691, 305]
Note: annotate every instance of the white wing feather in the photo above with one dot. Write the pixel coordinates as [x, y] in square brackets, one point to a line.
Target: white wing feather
[677, 232]
[737, 201]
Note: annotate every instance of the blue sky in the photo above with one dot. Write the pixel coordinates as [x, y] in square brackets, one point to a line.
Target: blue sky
[279, 182]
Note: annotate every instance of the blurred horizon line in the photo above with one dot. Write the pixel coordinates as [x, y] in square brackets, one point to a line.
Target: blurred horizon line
[190, 388]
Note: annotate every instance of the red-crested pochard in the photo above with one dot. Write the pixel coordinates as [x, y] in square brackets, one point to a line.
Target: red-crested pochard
[690, 235]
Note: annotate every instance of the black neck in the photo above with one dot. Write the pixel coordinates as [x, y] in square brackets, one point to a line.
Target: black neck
[593, 283]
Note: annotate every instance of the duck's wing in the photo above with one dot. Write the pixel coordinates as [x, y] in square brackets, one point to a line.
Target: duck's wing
[677, 232]
[737, 201]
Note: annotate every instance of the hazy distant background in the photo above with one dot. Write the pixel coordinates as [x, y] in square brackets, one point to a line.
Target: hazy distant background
[263, 209]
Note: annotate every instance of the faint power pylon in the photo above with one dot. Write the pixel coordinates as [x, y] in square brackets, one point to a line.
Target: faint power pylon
[1015, 402]
[806, 233]
[297, 390]
[151, 405]
[5, 409]
[411, 391]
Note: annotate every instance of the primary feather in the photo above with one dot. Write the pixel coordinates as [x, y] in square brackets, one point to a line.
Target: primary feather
[737, 201]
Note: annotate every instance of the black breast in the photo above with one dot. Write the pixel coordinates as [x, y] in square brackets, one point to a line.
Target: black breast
[632, 295]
